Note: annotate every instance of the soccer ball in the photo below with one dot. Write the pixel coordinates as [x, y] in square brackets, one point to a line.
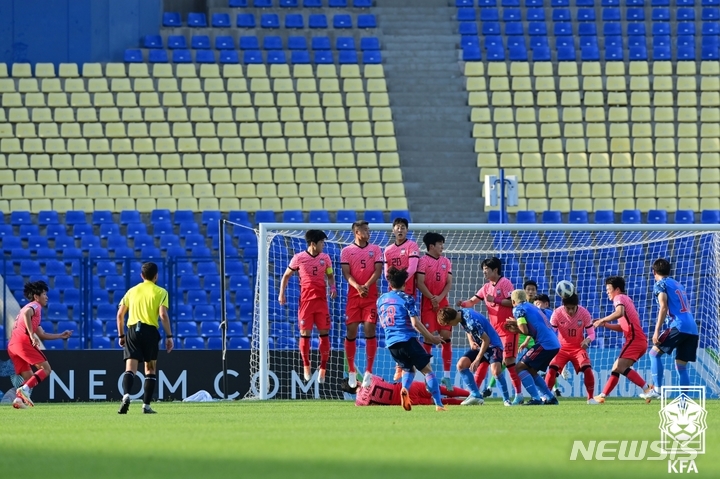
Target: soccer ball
[565, 289]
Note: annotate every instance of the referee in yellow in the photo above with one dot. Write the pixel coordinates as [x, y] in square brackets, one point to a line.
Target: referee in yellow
[145, 302]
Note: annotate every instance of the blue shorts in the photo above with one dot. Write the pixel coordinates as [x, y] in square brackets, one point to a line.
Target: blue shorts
[684, 344]
[493, 355]
[539, 358]
[410, 354]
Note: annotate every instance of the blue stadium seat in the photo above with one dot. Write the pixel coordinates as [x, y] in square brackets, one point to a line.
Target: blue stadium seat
[239, 343]
[289, 3]
[101, 342]
[276, 57]
[349, 57]
[215, 343]
[471, 54]
[686, 15]
[43, 218]
[130, 216]
[297, 43]
[345, 43]
[272, 42]
[133, 56]
[20, 218]
[345, 216]
[494, 217]
[342, 21]
[686, 40]
[526, 217]
[636, 29]
[366, 21]
[632, 217]
[200, 42]
[317, 20]
[29, 230]
[686, 53]
[153, 41]
[468, 14]
[467, 28]
[710, 217]
[104, 268]
[587, 30]
[194, 343]
[210, 329]
[252, 57]
[312, 3]
[74, 343]
[512, 15]
[319, 216]
[362, 3]
[172, 19]
[604, 217]
[187, 329]
[374, 216]
[709, 53]
[177, 42]
[552, 217]
[496, 54]
[262, 3]
[54, 344]
[293, 216]
[657, 217]
[514, 29]
[660, 14]
[245, 20]
[221, 20]
[197, 20]
[270, 20]
[710, 14]
[566, 54]
[588, 54]
[535, 15]
[337, 3]
[89, 241]
[578, 217]
[205, 56]
[182, 56]
[684, 217]
[561, 15]
[537, 29]
[249, 42]
[614, 54]
[611, 15]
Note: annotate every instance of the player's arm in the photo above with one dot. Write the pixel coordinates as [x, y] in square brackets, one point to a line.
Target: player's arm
[517, 326]
[471, 341]
[283, 285]
[345, 267]
[662, 314]
[376, 275]
[122, 311]
[446, 289]
[330, 277]
[412, 266]
[422, 286]
[165, 320]
[427, 335]
[469, 303]
[604, 322]
[50, 336]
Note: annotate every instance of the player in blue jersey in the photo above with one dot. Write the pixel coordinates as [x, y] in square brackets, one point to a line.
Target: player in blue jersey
[530, 320]
[681, 333]
[399, 316]
[486, 350]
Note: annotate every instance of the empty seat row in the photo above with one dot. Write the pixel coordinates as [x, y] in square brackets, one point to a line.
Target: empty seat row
[251, 42]
[586, 16]
[633, 68]
[254, 57]
[271, 20]
[661, 161]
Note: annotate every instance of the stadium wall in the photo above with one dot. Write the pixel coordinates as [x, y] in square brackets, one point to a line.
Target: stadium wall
[74, 31]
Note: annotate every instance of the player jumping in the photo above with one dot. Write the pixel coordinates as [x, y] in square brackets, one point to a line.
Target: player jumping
[313, 266]
[635, 340]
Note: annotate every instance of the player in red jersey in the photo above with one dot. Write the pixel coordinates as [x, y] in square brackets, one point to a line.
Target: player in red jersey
[23, 346]
[636, 342]
[382, 393]
[403, 253]
[313, 267]
[496, 293]
[362, 265]
[434, 280]
[574, 326]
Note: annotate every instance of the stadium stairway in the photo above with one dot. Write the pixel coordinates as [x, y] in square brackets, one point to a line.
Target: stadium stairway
[430, 110]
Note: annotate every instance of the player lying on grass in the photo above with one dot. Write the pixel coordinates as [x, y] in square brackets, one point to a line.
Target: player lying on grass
[399, 317]
[23, 347]
[628, 322]
[531, 321]
[574, 326]
[485, 350]
[381, 393]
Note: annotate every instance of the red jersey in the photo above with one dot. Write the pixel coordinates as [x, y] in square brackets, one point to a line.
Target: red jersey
[362, 261]
[571, 328]
[312, 271]
[19, 332]
[630, 321]
[497, 313]
[435, 272]
[382, 393]
[401, 256]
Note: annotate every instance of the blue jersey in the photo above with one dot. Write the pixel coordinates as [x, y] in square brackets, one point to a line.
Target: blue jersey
[537, 325]
[395, 309]
[476, 324]
[548, 314]
[679, 315]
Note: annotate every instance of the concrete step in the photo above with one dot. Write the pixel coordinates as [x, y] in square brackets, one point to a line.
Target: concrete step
[436, 144]
[436, 99]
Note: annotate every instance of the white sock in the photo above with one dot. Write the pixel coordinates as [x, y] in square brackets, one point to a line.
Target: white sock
[446, 374]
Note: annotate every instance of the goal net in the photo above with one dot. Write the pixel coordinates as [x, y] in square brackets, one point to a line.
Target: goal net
[583, 254]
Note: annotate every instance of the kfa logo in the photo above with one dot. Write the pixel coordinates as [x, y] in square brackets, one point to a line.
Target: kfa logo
[683, 421]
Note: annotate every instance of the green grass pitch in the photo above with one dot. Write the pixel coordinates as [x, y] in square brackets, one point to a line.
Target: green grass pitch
[331, 439]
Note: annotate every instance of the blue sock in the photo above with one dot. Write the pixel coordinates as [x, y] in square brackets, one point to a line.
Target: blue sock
[503, 385]
[469, 380]
[656, 367]
[529, 383]
[434, 386]
[407, 379]
[682, 370]
[543, 388]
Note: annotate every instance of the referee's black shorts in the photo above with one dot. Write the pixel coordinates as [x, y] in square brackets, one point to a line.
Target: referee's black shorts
[143, 343]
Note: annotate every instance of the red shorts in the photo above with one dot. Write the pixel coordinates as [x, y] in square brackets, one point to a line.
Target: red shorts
[361, 310]
[314, 312]
[510, 344]
[578, 357]
[24, 355]
[634, 349]
[429, 319]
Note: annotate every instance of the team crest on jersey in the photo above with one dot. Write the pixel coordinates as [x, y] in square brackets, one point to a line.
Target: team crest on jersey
[443, 266]
[579, 323]
[371, 253]
[322, 262]
[402, 251]
[499, 291]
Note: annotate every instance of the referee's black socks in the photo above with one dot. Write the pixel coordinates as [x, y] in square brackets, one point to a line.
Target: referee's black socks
[127, 382]
[150, 381]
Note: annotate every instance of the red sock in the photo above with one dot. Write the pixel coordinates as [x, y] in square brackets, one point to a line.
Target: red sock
[446, 349]
[550, 377]
[370, 351]
[481, 372]
[633, 376]
[324, 350]
[427, 347]
[305, 350]
[350, 349]
[589, 378]
[611, 383]
[36, 378]
[517, 383]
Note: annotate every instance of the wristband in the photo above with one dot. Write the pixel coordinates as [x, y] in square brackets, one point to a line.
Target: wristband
[333, 289]
[169, 336]
[121, 336]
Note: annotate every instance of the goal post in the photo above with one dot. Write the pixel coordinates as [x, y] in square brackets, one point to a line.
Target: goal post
[583, 253]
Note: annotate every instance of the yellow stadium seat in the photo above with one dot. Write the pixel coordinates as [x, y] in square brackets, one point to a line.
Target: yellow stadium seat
[472, 69]
[543, 69]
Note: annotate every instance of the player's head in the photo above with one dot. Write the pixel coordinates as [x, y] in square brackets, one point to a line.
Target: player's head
[542, 301]
[492, 268]
[518, 297]
[397, 277]
[36, 291]
[149, 272]
[614, 285]
[400, 229]
[661, 268]
[345, 387]
[435, 243]
[316, 239]
[530, 287]
[571, 304]
[448, 316]
[361, 230]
